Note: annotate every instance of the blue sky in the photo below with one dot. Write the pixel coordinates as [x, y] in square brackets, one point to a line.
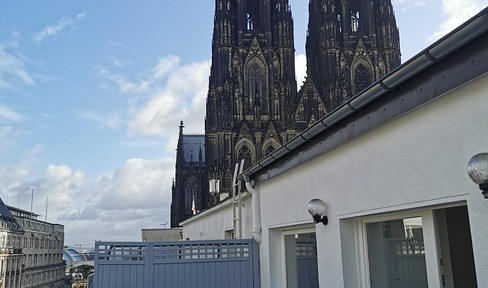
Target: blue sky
[92, 92]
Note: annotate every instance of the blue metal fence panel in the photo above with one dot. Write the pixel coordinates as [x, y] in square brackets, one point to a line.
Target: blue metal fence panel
[200, 264]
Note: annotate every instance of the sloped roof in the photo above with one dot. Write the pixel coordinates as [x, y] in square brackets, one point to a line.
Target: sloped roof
[7, 220]
[192, 145]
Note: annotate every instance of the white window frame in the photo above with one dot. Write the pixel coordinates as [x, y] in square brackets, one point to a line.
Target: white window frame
[286, 232]
[432, 248]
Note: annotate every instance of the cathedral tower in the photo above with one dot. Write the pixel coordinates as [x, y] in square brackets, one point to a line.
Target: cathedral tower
[350, 44]
[190, 186]
[252, 104]
[252, 87]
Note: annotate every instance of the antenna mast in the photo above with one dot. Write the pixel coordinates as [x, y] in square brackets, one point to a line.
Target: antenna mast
[47, 201]
[32, 200]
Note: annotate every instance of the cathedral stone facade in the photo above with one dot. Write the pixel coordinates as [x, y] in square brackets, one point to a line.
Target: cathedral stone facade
[253, 106]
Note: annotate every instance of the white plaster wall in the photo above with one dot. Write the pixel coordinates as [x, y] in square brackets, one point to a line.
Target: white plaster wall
[417, 160]
[212, 224]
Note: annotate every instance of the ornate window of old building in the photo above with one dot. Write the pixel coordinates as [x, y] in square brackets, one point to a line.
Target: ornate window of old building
[339, 23]
[362, 78]
[300, 113]
[270, 149]
[250, 22]
[256, 78]
[355, 21]
[190, 193]
[245, 153]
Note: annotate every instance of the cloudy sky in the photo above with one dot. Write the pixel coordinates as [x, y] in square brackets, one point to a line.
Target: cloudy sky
[92, 92]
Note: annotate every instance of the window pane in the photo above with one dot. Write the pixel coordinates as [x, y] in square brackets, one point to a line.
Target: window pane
[397, 254]
[301, 261]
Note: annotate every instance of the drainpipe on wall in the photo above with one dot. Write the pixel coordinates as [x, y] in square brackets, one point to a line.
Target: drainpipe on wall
[256, 210]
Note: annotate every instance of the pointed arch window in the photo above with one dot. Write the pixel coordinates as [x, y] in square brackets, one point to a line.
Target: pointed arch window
[362, 78]
[339, 22]
[355, 21]
[245, 153]
[257, 87]
[250, 23]
[190, 193]
[270, 149]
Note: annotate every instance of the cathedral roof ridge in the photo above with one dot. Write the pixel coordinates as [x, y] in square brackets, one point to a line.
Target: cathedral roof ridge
[193, 134]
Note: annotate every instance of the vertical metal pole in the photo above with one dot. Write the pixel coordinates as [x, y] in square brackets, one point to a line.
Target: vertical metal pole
[47, 200]
[235, 217]
[240, 199]
[32, 200]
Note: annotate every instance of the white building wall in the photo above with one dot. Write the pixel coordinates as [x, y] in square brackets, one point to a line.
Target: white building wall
[417, 160]
[215, 222]
[411, 164]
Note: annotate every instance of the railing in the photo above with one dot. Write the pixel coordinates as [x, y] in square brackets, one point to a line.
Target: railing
[175, 264]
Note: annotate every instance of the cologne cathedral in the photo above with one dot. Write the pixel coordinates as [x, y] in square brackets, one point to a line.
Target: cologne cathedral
[253, 106]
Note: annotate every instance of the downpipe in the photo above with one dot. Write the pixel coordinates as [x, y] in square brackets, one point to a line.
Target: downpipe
[256, 211]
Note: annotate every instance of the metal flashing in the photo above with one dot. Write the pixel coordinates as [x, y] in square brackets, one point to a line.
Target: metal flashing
[368, 96]
[338, 114]
[408, 70]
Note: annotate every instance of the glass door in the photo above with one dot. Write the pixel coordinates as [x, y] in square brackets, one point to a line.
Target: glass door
[301, 260]
[397, 253]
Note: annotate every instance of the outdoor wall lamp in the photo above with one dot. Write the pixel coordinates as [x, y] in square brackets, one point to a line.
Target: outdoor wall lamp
[478, 171]
[316, 208]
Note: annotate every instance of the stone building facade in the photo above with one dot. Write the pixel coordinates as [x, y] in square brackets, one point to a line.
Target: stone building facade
[42, 249]
[11, 257]
[190, 185]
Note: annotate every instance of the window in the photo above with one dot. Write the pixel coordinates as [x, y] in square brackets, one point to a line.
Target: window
[250, 23]
[190, 193]
[339, 23]
[245, 153]
[301, 260]
[256, 86]
[355, 21]
[428, 248]
[270, 149]
[294, 261]
[397, 253]
[361, 78]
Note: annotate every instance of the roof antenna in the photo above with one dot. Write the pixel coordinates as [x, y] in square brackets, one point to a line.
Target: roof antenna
[47, 201]
[32, 200]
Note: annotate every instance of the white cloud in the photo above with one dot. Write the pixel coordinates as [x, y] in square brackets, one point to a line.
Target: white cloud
[113, 207]
[117, 205]
[13, 69]
[17, 179]
[116, 44]
[300, 69]
[9, 114]
[123, 84]
[182, 98]
[62, 24]
[170, 92]
[8, 139]
[165, 66]
[110, 120]
[456, 12]
[407, 4]
[59, 183]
